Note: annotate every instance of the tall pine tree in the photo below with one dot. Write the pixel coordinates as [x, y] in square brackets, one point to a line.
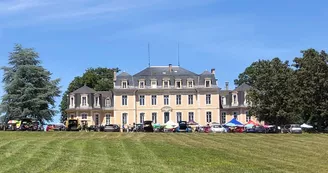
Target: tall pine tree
[29, 90]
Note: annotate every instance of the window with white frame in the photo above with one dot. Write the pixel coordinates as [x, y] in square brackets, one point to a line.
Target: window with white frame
[223, 117]
[208, 117]
[84, 116]
[234, 99]
[248, 117]
[153, 100]
[124, 118]
[166, 83]
[166, 99]
[96, 101]
[154, 84]
[107, 119]
[141, 84]
[235, 115]
[124, 100]
[223, 100]
[72, 101]
[179, 117]
[142, 100]
[154, 117]
[208, 99]
[207, 83]
[178, 84]
[190, 84]
[142, 117]
[107, 102]
[191, 116]
[178, 99]
[124, 84]
[84, 101]
[190, 99]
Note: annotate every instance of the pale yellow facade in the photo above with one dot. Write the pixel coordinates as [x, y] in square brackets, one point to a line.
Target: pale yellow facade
[199, 108]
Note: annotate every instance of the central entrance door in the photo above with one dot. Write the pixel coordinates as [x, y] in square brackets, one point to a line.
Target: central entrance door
[166, 117]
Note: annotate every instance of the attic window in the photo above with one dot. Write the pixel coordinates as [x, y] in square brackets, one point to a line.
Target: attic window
[207, 83]
[166, 83]
[124, 84]
[178, 84]
[190, 83]
[153, 83]
[141, 84]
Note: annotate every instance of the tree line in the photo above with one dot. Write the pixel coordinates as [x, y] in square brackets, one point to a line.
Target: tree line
[284, 92]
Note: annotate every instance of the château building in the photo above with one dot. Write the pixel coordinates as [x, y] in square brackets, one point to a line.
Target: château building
[160, 94]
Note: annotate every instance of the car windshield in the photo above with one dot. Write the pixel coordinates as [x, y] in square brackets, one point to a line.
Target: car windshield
[296, 125]
[216, 126]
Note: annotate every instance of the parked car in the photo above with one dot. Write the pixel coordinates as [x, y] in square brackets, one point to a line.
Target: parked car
[250, 130]
[139, 128]
[112, 128]
[73, 125]
[292, 128]
[148, 127]
[50, 127]
[59, 127]
[26, 124]
[37, 126]
[218, 128]
[183, 127]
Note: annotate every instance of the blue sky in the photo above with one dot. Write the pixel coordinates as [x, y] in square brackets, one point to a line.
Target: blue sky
[72, 35]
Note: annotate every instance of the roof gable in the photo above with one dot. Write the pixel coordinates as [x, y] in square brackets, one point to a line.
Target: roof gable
[243, 87]
[84, 90]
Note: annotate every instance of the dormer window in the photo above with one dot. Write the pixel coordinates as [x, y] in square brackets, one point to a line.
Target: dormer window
[96, 101]
[223, 100]
[72, 101]
[154, 84]
[190, 84]
[124, 84]
[84, 101]
[178, 84]
[207, 83]
[166, 84]
[234, 99]
[141, 84]
[107, 102]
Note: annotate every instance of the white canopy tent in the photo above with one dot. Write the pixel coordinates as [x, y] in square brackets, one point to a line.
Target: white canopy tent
[306, 126]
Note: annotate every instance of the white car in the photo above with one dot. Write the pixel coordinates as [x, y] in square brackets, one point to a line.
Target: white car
[218, 128]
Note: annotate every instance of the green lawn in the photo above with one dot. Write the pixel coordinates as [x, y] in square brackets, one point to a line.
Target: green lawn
[159, 152]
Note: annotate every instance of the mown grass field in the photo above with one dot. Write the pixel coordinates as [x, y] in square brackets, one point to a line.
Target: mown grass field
[159, 152]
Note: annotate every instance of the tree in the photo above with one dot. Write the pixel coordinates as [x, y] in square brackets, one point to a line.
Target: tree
[270, 96]
[29, 90]
[312, 80]
[100, 79]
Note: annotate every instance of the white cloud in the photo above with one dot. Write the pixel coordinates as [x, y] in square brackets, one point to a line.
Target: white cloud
[15, 6]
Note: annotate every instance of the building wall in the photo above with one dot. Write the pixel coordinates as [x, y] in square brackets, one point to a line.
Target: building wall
[199, 107]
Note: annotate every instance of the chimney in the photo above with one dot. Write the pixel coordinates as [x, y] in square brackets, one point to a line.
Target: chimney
[114, 75]
[170, 68]
[213, 70]
[226, 85]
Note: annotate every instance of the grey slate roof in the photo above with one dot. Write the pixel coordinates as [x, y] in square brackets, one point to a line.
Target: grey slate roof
[84, 90]
[164, 71]
[124, 74]
[243, 87]
[161, 72]
[240, 92]
[206, 72]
